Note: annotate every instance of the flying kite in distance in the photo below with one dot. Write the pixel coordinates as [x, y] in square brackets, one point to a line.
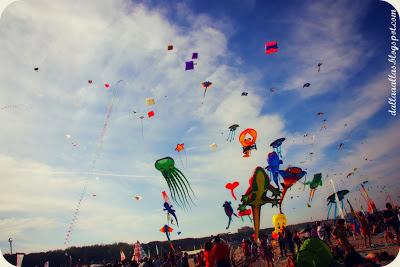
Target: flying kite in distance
[150, 114]
[244, 93]
[340, 146]
[315, 182]
[189, 65]
[319, 66]
[231, 187]
[36, 69]
[248, 140]
[320, 113]
[150, 101]
[276, 145]
[306, 85]
[138, 197]
[170, 47]
[213, 146]
[176, 180]
[107, 85]
[90, 81]
[195, 55]
[229, 212]
[271, 47]
[165, 196]
[206, 85]
[272, 90]
[232, 131]
[179, 148]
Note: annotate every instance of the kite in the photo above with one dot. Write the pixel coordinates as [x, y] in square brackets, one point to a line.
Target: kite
[176, 180]
[256, 196]
[332, 201]
[150, 101]
[243, 211]
[170, 47]
[36, 69]
[73, 142]
[248, 140]
[90, 81]
[179, 148]
[138, 197]
[229, 212]
[150, 114]
[340, 146]
[324, 127]
[315, 182]
[319, 66]
[320, 113]
[232, 131]
[206, 85]
[273, 166]
[244, 93]
[213, 146]
[106, 85]
[272, 90]
[279, 221]
[271, 47]
[276, 145]
[231, 187]
[165, 196]
[189, 65]
[306, 85]
[168, 208]
[290, 176]
[195, 55]
[370, 202]
[94, 195]
[141, 123]
[167, 230]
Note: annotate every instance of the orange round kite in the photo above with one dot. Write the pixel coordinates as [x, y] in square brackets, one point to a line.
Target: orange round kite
[248, 140]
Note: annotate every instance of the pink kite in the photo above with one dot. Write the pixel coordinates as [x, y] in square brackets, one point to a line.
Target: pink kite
[232, 186]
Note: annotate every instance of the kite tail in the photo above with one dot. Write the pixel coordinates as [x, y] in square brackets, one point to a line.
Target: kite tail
[256, 221]
[229, 222]
[233, 195]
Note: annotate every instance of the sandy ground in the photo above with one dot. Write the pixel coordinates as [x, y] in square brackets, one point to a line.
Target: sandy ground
[378, 243]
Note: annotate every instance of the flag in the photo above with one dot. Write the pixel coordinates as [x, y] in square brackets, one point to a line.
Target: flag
[20, 257]
[46, 264]
[122, 255]
[271, 47]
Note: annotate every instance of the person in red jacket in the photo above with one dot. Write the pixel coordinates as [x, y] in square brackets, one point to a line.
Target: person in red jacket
[220, 253]
[208, 259]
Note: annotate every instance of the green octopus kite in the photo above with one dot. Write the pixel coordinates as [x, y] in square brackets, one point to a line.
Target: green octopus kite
[177, 183]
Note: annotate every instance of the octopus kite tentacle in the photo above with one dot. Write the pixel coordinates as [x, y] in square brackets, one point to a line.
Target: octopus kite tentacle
[168, 179]
[185, 182]
[178, 189]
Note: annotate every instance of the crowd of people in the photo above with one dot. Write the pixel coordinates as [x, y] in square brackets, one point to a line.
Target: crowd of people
[218, 253]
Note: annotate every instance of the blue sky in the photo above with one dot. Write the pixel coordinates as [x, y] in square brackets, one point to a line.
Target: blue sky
[42, 173]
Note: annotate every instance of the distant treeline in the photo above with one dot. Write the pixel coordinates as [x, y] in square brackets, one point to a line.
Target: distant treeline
[111, 253]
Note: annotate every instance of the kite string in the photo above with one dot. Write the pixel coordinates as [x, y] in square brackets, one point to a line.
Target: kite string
[95, 157]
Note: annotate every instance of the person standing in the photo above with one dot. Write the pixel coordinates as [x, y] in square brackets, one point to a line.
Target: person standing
[391, 222]
[220, 252]
[282, 245]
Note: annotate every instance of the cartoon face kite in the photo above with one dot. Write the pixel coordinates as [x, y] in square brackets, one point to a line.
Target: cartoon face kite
[248, 140]
[176, 180]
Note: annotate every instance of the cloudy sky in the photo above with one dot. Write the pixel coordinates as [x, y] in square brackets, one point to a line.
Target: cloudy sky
[124, 43]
